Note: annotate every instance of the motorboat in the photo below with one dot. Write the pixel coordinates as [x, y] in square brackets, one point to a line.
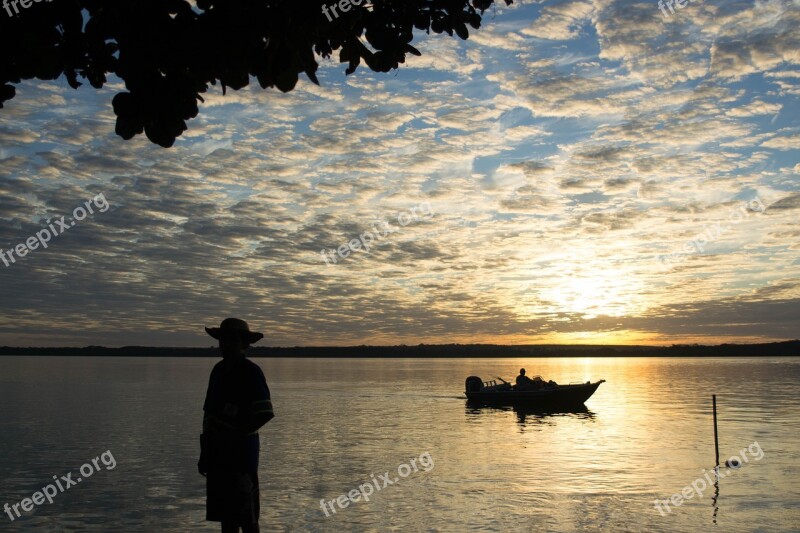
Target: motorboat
[539, 393]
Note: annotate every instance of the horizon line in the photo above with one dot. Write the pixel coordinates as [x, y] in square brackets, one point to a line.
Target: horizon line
[362, 346]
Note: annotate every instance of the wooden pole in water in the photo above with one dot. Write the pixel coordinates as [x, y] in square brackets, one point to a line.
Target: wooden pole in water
[716, 439]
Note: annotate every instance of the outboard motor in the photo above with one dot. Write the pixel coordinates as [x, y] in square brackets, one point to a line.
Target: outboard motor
[474, 384]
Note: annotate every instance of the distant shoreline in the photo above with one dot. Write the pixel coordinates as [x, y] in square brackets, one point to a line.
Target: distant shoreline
[430, 351]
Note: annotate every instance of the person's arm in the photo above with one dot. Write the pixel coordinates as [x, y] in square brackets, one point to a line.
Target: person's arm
[259, 420]
[261, 405]
[202, 462]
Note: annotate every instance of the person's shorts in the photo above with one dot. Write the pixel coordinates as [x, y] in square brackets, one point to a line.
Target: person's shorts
[232, 497]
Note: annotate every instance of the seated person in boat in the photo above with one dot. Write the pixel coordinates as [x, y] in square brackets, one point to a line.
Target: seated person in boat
[524, 382]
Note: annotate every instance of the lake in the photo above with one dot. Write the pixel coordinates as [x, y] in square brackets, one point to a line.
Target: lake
[646, 434]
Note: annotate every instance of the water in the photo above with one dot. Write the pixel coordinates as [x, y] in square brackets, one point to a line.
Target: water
[647, 434]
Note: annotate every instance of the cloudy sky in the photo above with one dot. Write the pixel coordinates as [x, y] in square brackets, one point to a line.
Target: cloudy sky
[577, 172]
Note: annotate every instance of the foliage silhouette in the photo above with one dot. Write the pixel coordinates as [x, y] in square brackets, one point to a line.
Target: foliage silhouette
[771, 349]
[168, 52]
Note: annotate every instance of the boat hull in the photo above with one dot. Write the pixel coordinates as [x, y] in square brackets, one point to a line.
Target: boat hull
[559, 397]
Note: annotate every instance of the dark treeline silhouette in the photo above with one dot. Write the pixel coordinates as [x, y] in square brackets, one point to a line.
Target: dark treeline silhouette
[168, 52]
[786, 348]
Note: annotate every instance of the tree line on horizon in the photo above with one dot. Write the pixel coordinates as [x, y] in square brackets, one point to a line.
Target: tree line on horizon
[772, 349]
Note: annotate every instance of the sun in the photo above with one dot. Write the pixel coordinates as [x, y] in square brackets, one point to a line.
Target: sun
[591, 294]
[584, 284]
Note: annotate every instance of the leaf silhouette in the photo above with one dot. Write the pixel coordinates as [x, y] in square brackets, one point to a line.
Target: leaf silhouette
[168, 52]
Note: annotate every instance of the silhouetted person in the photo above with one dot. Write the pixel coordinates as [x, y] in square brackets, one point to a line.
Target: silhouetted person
[526, 383]
[237, 405]
[522, 379]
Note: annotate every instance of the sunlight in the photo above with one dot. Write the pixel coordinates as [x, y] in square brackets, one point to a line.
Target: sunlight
[592, 294]
[602, 337]
[581, 280]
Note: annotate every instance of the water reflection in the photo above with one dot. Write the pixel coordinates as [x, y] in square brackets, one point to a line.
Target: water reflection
[716, 495]
[530, 414]
[497, 469]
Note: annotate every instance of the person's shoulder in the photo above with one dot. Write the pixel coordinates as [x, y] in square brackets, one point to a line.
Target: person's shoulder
[253, 367]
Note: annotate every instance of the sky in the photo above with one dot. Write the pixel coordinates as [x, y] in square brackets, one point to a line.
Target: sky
[591, 172]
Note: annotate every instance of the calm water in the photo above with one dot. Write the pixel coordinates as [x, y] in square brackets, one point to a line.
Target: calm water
[647, 434]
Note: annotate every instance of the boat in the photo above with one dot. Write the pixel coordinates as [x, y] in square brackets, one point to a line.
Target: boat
[547, 395]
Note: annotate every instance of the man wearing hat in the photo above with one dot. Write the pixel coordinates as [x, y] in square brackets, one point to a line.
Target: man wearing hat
[237, 405]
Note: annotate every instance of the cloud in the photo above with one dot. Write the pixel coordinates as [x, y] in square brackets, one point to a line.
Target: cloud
[560, 159]
[561, 21]
[754, 108]
[785, 142]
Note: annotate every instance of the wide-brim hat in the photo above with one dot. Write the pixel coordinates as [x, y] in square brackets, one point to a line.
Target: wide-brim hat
[235, 325]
